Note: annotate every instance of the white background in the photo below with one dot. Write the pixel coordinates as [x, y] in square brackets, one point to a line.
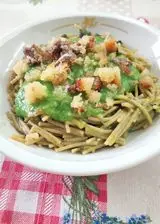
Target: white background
[136, 190]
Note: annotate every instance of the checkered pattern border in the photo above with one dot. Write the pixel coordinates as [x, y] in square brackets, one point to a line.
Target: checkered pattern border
[28, 196]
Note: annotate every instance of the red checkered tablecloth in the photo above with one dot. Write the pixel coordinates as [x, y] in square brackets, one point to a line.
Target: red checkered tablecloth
[28, 196]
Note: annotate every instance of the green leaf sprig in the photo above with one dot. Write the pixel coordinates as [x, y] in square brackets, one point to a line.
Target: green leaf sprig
[80, 206]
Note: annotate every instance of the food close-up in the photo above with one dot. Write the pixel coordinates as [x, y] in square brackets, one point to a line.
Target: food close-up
[81, 93]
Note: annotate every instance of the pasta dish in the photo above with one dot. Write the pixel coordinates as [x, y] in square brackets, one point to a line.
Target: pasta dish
[81, 93]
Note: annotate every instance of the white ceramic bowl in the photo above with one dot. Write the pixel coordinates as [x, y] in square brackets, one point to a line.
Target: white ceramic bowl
[140, 146]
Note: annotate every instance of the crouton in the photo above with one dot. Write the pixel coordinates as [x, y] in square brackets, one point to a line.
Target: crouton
[77, 101]
[35, 92]
[85, 40]
[109, 75]
[20, 67]
[56, 74]
[84, 84]
[84, 43]
[94, 96]
[101, 54]
[78, 48]
[109, 102]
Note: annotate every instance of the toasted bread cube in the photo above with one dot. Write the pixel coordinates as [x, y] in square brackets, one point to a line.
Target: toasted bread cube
[85, 84]
[35, 92]
[77, 101]
[85, 40]
[109, 102]
[109, 75]
[101, 53]
[56, 74]
[20, 67]
[94, 96]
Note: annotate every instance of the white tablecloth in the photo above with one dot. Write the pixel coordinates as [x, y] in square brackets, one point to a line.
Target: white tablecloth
[136, 190]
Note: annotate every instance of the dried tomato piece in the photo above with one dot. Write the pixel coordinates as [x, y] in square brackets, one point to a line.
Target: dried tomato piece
[111, 46]
[36, 55]
[124, 64]
[97, 84]
[72, 89]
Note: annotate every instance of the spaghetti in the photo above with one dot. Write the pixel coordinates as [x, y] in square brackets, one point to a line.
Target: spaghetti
[81, 93]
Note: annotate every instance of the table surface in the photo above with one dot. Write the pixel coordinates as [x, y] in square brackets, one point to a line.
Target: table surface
[136, 190]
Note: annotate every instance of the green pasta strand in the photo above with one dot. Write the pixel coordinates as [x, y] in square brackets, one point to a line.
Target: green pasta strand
[118, 131]
[137, 104]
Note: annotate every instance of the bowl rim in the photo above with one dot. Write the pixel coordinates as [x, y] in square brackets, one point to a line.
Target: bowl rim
[87, 168]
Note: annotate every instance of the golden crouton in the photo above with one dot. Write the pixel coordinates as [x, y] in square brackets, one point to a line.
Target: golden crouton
[34, 92]
[77, 101]
[56, 74]
[94, 96]
[109, 75]
[101, 53]
[85, 84]
[20, 67]
[84, 40]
